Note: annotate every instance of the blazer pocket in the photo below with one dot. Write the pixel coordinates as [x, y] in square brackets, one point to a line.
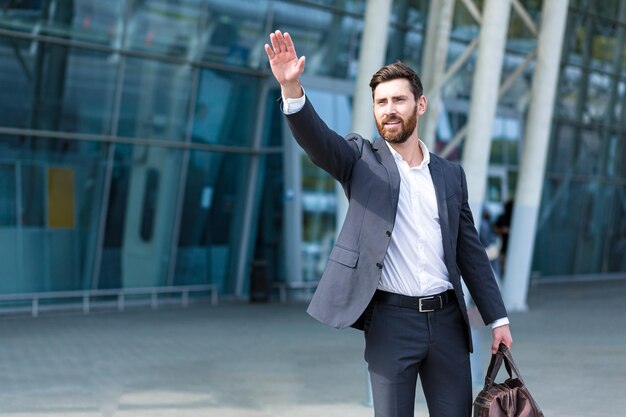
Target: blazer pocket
[344, 256]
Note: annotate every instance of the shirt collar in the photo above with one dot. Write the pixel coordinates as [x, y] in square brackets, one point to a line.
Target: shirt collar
[425, 152]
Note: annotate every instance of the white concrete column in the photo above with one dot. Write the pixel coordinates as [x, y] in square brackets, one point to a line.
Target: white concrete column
[495, 22]
[536, 140]
[371, 58]
[434, 64]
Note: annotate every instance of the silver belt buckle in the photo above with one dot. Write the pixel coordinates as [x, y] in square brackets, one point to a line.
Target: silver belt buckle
[421, 309]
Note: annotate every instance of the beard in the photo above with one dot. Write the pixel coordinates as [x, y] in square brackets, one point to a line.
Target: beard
[407, 127]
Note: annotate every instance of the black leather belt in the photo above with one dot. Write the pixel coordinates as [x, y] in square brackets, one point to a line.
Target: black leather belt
[421, 304]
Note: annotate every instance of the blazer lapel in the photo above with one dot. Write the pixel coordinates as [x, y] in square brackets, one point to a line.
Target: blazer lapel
[439, 181]
[386, 159]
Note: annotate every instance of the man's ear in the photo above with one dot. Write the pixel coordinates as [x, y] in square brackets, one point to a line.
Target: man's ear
[422, 103]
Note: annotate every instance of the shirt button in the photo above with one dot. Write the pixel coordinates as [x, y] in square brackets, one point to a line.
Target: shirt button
[379, 265]
[388, 233]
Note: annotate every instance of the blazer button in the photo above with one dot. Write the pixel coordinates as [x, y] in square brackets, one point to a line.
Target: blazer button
[388, 233]
[379, 265]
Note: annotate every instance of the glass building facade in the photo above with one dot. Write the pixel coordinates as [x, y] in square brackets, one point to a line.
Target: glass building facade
[582, 224]
[141, 144]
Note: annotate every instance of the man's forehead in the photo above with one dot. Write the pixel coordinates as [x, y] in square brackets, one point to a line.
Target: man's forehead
[397, 87]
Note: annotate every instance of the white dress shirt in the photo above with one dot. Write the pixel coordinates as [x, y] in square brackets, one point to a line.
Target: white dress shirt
[414, 262]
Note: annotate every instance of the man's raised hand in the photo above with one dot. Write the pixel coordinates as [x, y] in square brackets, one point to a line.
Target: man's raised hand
[285, 64]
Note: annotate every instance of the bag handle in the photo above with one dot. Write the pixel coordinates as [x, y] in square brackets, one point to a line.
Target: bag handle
[502, 355]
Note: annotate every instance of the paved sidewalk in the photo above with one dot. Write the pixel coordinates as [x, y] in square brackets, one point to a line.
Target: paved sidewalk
[272, 360]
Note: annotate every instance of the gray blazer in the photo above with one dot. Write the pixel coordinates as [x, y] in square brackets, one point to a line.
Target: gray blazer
[370, 178]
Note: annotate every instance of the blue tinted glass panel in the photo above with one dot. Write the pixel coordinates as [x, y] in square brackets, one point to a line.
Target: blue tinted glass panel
[352, 6]
[33, 197]
[149, 205]
[84, 20]
[111, 268]
[167, 27]
[270, 244]
[274, 120]
[8, 198]
[56, 179]
[330, 41]
[226, 108]
[615, 252]
[53, 87]
[581, 228]
[235, 32]
[211, 223]
[155, 100]
[16, 82]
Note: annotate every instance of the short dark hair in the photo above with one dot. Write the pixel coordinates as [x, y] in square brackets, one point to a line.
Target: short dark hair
[398, 70]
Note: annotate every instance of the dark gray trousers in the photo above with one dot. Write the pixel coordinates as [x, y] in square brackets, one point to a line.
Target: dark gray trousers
[402, 343]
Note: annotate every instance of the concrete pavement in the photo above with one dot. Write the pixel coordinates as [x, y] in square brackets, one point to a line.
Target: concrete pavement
[272, 360]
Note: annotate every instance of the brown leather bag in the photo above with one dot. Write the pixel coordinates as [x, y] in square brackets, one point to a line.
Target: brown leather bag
[508, 399]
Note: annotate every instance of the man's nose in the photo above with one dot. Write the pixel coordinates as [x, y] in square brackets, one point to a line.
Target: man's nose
[390, 110]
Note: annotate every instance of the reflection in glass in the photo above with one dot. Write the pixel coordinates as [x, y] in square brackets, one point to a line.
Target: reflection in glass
[615, 254]
[8, 199]
[319, 199]
[148, 207]
[57, 200]
[506, 136]
[406, 36]
[269, 245]
[82, 20]
[558, 227]
[110, 268]
[9, 248]
[140, 217]
[211, 219]
[236, 31]
[16, 82]
[329, 40]
[32, 182]
[165, 27]
[319, 204]
[54, 87]
[583, 236]
[225, 108]
[155, 100]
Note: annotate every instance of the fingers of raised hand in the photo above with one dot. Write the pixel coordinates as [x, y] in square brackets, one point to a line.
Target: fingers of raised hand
[289, 44]
[278, 42]
[281, 43]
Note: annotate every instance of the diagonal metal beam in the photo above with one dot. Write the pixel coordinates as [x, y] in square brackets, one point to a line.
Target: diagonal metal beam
[504, 87]
[523, 14]
[517, 72]
[454, 67]
[473, 10]
[456, 140]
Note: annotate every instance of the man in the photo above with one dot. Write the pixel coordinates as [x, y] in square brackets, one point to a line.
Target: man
[503, 223]
[407, 237]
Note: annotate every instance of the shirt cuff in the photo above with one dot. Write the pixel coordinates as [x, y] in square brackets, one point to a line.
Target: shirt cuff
[500, 322]
[294, 105]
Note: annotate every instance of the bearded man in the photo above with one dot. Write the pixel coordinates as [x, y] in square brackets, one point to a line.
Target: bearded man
[408, 238]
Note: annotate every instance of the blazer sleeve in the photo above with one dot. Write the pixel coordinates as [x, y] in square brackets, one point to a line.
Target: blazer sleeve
[474, 265]
[325, 147]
